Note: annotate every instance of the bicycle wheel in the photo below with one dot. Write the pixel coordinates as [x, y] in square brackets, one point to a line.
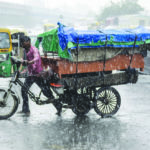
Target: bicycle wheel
[8, 107]
[107, 101]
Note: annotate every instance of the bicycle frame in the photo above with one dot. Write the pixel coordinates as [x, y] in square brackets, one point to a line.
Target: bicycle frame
[15, 80]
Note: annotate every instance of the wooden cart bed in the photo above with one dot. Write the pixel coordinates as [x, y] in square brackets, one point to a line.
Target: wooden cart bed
[119, 62]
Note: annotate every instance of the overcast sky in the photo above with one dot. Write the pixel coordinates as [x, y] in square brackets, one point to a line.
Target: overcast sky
[93, 5]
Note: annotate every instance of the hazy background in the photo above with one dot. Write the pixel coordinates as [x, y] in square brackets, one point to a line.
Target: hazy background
[33, 14]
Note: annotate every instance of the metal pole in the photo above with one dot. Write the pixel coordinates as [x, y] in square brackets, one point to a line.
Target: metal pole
[18, 51]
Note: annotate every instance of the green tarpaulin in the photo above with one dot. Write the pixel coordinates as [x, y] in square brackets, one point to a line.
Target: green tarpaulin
[50, 43]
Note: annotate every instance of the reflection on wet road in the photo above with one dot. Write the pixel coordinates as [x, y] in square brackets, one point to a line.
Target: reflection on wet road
[64, 134]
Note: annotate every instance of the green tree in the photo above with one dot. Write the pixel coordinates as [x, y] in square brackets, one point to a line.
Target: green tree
[123, 7]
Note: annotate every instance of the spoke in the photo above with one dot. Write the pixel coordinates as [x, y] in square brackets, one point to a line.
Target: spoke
[113, 97]
[113, 106]
[110, 108]
[113, 101]
[107, 109]
[102, 108]
[108, 94]
[100, 105]
[99, 102]
[101, 95]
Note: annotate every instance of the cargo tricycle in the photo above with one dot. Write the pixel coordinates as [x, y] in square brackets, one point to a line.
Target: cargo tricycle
[86, 65]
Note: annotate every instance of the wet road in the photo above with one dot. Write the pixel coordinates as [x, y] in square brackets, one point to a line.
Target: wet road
[129, 129]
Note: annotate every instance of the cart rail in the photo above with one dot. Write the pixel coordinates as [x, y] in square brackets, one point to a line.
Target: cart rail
[102, 80]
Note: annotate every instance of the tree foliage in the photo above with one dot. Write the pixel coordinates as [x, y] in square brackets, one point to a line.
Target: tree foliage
[123, 7]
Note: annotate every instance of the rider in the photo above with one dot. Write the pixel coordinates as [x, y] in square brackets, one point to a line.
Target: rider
[33, 62]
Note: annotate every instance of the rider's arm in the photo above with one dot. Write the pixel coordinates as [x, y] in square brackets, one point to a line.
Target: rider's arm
[31, 62]
[36, 56]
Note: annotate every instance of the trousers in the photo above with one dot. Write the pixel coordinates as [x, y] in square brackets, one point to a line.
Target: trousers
[40, 82]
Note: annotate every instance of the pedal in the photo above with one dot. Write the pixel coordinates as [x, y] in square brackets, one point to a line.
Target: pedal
[63, 110]
[48, 101]
[39, 102]
[51, 100]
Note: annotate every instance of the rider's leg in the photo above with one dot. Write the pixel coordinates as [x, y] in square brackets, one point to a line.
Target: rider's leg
[58, 106]
[28, 82]
[44, 85]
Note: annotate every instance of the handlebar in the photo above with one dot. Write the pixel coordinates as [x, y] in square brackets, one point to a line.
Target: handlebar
[16, 60]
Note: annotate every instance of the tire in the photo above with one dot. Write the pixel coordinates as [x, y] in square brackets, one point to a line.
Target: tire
[107, 102]
[12, 100]
[82, 106]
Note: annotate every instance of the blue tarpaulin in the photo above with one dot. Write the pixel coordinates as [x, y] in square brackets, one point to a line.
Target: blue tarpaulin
[97, 38]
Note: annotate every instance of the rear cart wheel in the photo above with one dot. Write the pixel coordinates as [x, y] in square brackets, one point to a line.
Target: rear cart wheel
[107, 101]
[8, 107]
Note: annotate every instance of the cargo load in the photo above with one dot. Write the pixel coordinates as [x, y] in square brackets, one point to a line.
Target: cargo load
[94, 50]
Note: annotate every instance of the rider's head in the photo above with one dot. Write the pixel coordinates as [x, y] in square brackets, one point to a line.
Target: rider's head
[25, 42]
